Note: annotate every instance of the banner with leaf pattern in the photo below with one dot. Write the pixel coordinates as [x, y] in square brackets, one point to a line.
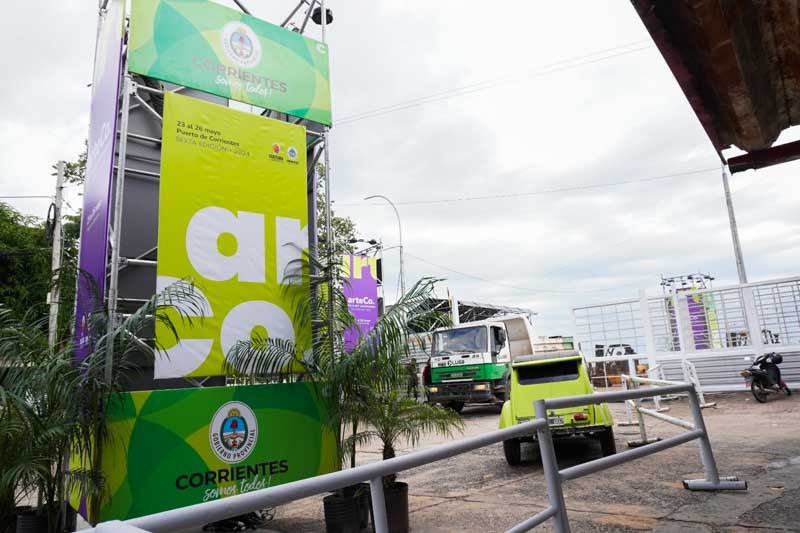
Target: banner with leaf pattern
[209, 47]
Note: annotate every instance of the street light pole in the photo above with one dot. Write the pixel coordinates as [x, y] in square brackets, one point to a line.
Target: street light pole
[400, 230]
[737, 246]
[55, 289]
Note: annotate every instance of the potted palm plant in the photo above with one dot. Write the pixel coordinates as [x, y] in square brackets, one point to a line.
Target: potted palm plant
[343, 380]
[319, 360]
[390, 414]
[54, 408]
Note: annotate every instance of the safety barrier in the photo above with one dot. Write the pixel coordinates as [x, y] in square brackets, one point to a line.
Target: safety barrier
[690, 376]
[197, 515]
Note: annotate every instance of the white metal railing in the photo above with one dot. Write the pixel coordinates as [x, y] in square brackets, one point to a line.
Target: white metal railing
[200, 514]
[712, 327]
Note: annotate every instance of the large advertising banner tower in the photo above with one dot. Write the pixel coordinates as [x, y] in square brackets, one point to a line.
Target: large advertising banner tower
[232, 218]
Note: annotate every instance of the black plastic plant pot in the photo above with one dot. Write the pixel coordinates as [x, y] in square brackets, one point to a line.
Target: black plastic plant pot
[397, 507]
[348, 513]
[29, 521]
[71, 523]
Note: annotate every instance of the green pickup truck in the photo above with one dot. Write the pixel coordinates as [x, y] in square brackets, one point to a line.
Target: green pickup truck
[553, 375]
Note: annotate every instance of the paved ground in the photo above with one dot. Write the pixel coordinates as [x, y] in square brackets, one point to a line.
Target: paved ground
[479, 492]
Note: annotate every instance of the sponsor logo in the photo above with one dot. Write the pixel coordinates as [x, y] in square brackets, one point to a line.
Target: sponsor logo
[276, 148]
[233, 432]
[360, 300]
[292, 153]
[241, 44]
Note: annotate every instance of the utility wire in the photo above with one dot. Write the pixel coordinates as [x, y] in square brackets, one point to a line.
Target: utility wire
[525, 289]
[479, 278]
[24, 196]
[552, 68]
[542, 191]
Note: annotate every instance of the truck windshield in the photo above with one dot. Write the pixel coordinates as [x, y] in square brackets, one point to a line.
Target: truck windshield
[462, 340]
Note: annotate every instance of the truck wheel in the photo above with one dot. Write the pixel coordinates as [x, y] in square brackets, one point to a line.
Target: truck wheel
[513, 450]
[455, 406]
[607, 443]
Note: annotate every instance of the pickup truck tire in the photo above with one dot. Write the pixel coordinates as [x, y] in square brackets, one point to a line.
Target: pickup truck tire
[608, 445]
[455, 406]
[513, 451]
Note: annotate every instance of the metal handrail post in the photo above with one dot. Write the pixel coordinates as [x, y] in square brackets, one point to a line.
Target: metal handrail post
[712, 480]
[627, 384]
[706, 454]
[550, 467]
[379, 521]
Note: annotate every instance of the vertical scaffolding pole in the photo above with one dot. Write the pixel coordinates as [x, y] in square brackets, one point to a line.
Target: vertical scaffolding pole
[328, 227]
[113, 292]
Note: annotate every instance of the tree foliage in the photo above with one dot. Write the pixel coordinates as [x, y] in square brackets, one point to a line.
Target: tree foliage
[75, 171]
[25, 260]
[25, 265]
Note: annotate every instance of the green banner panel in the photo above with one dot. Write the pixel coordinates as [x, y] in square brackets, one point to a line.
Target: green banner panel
[233, 218]
[173, 448]
[209, 47]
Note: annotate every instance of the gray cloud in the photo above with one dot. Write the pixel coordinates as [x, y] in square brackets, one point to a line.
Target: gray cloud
[618, 119]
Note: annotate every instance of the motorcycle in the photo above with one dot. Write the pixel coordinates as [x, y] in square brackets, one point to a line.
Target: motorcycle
[764, 376]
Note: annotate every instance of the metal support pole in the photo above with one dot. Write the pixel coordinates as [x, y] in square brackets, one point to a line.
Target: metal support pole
[379, 522]
[296, 8]
[706, 454]
[113, 292]
[647, 324]
[55, 288]
[328, 226]
[241, 6]
[753, 322]
[627, 385]
[551, 475]
[712, 480]
[737, 246]
[308, 16]
[683, 346]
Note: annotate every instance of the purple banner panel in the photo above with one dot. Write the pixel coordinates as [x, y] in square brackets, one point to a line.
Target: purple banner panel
[697, 319]
[97, 188]
[361, 290]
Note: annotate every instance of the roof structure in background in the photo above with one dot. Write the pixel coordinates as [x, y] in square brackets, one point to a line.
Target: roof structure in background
[738, 63]
[474, 311]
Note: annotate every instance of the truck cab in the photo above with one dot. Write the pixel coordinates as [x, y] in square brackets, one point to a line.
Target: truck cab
[470, 362]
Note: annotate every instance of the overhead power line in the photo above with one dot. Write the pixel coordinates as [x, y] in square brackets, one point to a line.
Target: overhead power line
[24, 196]
[479, 278]
[525, 289]
[551, 68]
[525, 194]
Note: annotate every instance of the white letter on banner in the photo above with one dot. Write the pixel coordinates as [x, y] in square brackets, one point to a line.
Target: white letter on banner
[290, 241]
[205, 228]
[242, 319]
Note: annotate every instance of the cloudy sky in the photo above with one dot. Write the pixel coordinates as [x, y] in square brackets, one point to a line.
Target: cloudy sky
[542, 106]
